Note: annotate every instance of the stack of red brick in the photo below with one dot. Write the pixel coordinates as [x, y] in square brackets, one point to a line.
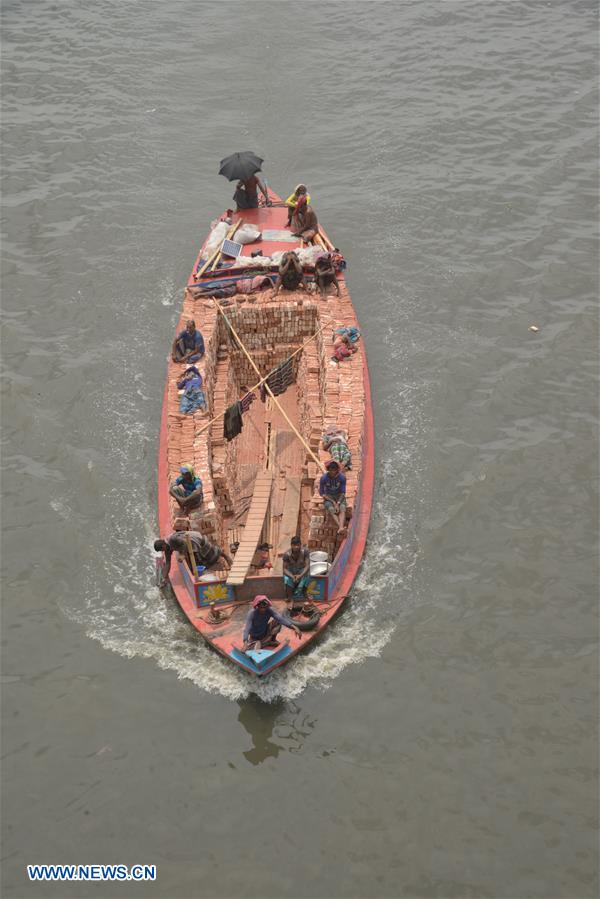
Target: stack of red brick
[329, 394]
[343, 404]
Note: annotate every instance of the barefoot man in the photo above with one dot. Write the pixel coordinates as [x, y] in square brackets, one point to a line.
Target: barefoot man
[332, 488]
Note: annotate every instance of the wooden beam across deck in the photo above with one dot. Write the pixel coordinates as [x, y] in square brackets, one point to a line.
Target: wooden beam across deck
[289, 521]
[253, 527]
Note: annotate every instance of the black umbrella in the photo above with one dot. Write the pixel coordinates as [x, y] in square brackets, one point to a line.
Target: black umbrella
[240, 166]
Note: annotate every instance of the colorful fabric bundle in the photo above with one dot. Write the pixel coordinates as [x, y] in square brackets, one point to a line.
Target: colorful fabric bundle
[353, 334]
[249, 285]
[335, 440]
[193, 400]
[338, 261]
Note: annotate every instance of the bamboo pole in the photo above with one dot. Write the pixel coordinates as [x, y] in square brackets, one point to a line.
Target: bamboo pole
[325, 241]
[321, 242]
[269, 391]
[192, 559]
[262, 380]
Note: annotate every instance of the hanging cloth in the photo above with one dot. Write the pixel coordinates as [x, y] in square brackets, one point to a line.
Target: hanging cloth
[232, 423]
[281, 378]
[246, 401]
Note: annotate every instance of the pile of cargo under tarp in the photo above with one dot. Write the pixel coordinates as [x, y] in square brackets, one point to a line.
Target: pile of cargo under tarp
[224, 284]
[306, 255]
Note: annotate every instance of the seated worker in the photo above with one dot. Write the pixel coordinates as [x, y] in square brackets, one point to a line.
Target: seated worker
[193, 397]
[325, 274]
[337, 445]
[332, 488]
[264, 623]
[291, 273]
[262, 558]
[299, 191]
[304, 220]
[188, 346]
[187, 489]
[296, 568]
[246, 193]
[206, 553]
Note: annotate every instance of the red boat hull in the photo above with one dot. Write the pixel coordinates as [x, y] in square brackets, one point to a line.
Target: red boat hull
[347, 562]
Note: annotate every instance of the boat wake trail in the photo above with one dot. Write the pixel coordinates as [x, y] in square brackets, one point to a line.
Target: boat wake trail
[138, 621]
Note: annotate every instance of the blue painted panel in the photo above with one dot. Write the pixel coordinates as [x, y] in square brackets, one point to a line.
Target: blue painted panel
[260, 657]
[184, 571]
[266, 659]
[316, 589]
[218, 592]
[340, 562]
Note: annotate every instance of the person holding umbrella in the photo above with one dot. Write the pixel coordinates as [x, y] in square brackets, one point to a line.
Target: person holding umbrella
[246, 193]
[242, 167]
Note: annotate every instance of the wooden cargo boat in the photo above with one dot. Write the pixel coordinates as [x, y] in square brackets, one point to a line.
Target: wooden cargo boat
[264, 484]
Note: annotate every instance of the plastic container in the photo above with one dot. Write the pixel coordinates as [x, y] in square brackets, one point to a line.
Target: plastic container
[209, 577]
[318, 556]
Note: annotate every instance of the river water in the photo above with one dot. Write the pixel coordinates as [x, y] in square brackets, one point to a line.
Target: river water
[442, 740]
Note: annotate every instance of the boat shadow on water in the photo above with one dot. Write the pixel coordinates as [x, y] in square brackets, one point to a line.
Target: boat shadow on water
[284, 719]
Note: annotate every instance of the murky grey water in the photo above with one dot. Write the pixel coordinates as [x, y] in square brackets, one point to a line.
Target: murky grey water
[442, 741]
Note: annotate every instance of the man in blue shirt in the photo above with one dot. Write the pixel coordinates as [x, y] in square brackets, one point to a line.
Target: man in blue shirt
[332, 488]
[188, 346]
[187, 489]
[263, 623]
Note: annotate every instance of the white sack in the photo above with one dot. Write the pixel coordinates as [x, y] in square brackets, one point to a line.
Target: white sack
[215, 239]
[246, 234]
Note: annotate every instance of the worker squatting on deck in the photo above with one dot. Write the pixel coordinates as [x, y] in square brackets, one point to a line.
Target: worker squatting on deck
[291, 274]
[188, 346]
[187, 489]
[264, 623]
[304, 220]
[325, 274]
[292, 201]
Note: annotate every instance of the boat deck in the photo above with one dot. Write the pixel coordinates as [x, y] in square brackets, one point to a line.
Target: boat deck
[323, 395]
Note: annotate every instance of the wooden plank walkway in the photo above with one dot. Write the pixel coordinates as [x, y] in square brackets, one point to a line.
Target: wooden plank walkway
[289, 521]
[253, 527]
